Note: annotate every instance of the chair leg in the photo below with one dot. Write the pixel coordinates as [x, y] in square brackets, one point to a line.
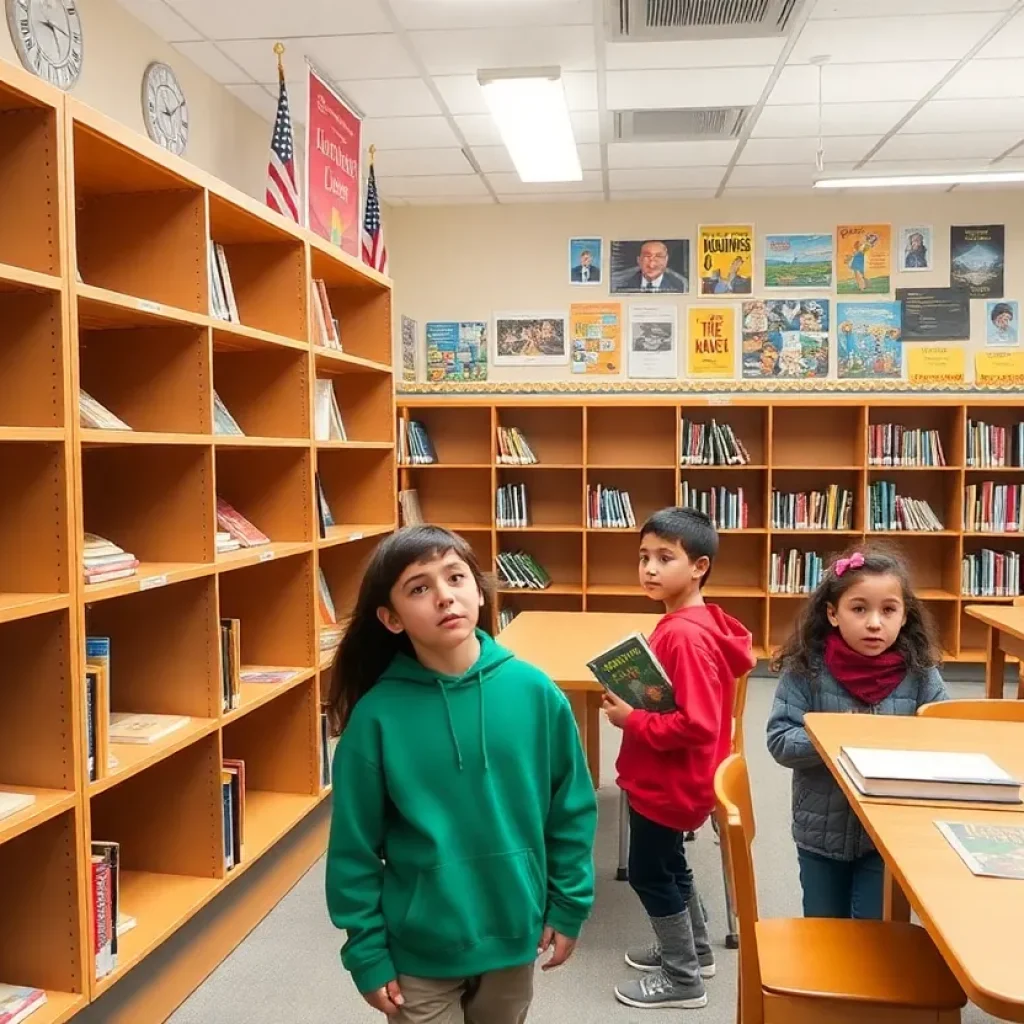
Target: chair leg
[732, 937]
[622, 871]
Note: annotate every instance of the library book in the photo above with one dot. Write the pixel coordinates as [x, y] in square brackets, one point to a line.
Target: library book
[632, 672]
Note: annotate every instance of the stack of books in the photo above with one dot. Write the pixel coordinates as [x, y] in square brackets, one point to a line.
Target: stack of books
[223, 422]
[326, 332]
[222, 294]
[96, 416]
[232, 783]
[231, 663]
[795, 572]
[409, 506]
[512, 509]
[608, 508]
[104, 561]
[994, 447]
[327, 418]
[137, 728]
[519, 570]
[226, 543]
[890, 444]
[505, 616]
[891, 511]
[813, 510]
[994, 508]
[711, 444]
[232, 522]
[727, 509]
[988, 573]
[330, 630]
[414, 445]
[18, 1003]
[513, 448]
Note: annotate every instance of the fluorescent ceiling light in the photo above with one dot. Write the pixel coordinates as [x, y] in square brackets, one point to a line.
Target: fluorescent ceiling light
[532, 114]
[910, 180]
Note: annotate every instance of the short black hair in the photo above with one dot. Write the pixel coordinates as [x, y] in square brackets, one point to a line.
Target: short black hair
[999, 309]
[690, 528]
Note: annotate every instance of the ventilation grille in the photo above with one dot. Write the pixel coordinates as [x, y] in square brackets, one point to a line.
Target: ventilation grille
[683, 125]
[638, 20]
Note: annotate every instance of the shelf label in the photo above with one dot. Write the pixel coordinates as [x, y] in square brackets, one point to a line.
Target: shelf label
[152, 582]
[720, 400]
[266, 556]
[149, 306]
[355, 536]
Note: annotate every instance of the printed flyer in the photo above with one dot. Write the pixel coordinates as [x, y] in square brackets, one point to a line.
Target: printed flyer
[596, 330]
[935, 364]
[652, 342]
[456, 350]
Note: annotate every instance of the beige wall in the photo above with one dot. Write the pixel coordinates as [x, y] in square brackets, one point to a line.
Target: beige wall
[464, 263]
[227, 138]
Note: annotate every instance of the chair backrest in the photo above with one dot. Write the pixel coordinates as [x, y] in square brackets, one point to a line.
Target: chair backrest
[735, 813]
[739, 706]
[982, 710]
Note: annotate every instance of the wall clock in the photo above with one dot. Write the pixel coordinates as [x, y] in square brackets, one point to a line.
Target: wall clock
[47, 36]
[164, 108]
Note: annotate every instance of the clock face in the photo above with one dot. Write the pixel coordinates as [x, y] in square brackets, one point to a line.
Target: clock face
[47, 35]
[164, 108]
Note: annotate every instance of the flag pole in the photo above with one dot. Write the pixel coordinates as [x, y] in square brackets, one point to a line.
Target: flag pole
[279, 50]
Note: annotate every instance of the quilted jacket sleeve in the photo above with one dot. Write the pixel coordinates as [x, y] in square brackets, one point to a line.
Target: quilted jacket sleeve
[788, 741]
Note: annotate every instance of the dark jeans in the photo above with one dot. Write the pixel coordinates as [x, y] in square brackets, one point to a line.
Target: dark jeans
[842, 888]
[658, 872]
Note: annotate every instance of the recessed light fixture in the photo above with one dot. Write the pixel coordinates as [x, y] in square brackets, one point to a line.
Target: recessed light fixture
[532, 114]
[912, 180]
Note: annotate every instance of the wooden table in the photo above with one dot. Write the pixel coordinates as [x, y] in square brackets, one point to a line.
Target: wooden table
[974, 922]
[561, 644]
[1005, 636]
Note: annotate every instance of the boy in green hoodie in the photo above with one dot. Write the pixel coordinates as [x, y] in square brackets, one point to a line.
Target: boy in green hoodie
[464, 816]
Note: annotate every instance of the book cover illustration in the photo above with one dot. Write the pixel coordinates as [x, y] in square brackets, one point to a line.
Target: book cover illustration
[994, 851]
[631, 671]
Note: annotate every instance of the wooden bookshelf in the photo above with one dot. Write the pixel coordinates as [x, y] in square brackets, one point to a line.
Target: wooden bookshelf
[104, 286]
[794, 443]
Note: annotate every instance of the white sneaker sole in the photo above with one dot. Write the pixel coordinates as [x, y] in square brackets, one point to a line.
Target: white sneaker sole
[668, 1004]
[705, 972]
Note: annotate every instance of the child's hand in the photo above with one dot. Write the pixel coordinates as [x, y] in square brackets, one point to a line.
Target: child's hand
[563, 948]
[615, 709]
[387, 999]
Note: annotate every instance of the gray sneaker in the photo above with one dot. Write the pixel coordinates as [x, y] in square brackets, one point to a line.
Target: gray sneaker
[648, 958]
[657, 991]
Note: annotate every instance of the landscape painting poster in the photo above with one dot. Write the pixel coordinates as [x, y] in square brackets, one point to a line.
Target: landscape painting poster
[977, 258]
[798, 261]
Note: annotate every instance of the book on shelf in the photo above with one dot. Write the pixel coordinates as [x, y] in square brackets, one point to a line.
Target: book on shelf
[928, 775]
[892, 444]
[97, 701]
[106, 883]
[409, 506]
[414, 445]
[19, 1002]
[994, 508]
[727, 509]
[711, 444]
[513, 448]
[987, 573]
[226, 543]
[329, 425]
[233, 796]
[632, 672]
[328, 744]
[888, 510]
[795, 572]
[331, 631]
[103, 560]
[325, 518]
[223, 422]
[505, 616]
[990, 851]
[512, 507]
[14, 803]
[125, 922]
[230, 520]
[133, 727]
[831, 509]
[96, 416]
[222, 294]
[231, 663]
[519, 570]
[609, 508]
[268, 674]
[991, 446]
[326, 332]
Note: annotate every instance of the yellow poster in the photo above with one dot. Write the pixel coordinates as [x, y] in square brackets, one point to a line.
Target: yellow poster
[999, 367]
[725, 258]
[864, 259]
[935, 364]
[596, 330]
[711, 342]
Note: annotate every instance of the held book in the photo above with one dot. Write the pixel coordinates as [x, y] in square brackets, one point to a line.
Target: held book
[928, 775]
[993, 851]
[18, 1003]
[632, 672]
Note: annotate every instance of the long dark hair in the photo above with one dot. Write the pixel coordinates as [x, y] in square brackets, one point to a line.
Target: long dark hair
[804, 651]
[368, 647]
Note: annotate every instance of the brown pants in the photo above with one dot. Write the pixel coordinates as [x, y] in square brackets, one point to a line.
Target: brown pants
[498, 997]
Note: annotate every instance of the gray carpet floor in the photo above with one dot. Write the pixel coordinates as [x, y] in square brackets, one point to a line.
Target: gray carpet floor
[287, 971]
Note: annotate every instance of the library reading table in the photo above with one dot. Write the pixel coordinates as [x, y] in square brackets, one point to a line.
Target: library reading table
[974, 922]
[1005, 636]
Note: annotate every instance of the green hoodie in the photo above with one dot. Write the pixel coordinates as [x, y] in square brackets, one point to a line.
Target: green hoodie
[463, 821]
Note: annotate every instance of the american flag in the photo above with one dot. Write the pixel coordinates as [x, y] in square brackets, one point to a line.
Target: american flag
[282, 192]
[375, 252]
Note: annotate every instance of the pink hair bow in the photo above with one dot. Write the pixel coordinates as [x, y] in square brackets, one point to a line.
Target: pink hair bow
[855, 561]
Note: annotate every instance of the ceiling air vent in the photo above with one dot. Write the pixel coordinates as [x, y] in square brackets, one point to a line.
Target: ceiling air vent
[640, 20]
[694, 124]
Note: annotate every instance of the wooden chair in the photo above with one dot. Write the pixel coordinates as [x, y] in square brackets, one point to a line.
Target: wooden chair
[981, 710]
[739, 707]
[804, 970]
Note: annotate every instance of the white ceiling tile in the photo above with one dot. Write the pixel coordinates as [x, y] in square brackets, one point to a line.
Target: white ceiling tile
[951, 146]
[661, 178]
[509, 184]
[435, 14]
[794, 151]
[408, 132]
[397, 163]
[711, 153]
[968, 116]
[693, 53]
[932, 165]
[801, 119]
[1009, 42]
[161, 19]
[391, 97]
[643, 195]
[985, 79]
[1014, 162]
[480, 129]
[462, 93]
[464, 52]
[889, 8]
[213, 61]
[773, 175]
[552, 197]
[859, 83]
[270, 20]
[495, 159]
[450, 185]
[337, 57]
[767, 191]
[484, 200]
[257, 98]
[651, 90]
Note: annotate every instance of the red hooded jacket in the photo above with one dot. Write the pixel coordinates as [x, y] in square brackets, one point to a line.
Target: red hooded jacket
[668, 761]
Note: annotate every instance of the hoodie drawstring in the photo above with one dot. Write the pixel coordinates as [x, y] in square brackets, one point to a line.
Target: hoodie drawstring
[483, 725]
[451, 723]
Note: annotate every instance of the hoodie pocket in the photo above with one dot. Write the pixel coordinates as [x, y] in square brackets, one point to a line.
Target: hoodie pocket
[460, 904]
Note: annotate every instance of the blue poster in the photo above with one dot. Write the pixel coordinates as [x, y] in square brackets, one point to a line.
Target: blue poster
[456, 350]
[869, 339]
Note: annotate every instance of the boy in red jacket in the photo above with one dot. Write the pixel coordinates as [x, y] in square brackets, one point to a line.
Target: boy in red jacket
[668, 761]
